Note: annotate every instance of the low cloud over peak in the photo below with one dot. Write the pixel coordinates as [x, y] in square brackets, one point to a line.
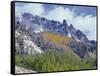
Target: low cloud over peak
[82, 17]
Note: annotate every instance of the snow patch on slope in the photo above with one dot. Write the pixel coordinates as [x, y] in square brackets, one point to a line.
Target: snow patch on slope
[31, 47]
[38, 30]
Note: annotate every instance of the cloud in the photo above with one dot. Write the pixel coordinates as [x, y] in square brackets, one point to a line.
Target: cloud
[85, 22]
[60, 13]
[35, 9]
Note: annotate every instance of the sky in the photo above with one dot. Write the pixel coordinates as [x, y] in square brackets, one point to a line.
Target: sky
[82, 17]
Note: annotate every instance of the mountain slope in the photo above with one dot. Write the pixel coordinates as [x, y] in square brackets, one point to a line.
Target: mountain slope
[38, 24]
[59, 35]
[47, 45]
[56, 39]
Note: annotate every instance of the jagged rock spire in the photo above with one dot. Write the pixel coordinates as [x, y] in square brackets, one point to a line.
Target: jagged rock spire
[65, 22]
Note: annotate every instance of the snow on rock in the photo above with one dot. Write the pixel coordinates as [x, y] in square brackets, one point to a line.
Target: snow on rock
[31, 48]
[38, 30]
[19, 70]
